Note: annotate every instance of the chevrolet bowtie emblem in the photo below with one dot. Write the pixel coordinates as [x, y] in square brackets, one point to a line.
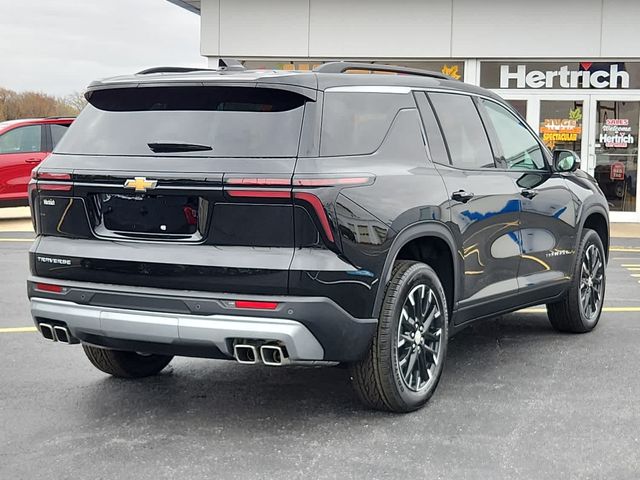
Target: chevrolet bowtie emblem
[141, 184]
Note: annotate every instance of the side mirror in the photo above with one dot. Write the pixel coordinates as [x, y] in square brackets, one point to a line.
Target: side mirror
[565, 160]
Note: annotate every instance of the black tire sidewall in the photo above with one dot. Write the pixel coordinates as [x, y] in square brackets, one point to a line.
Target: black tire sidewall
[590, 237]
[415, 275]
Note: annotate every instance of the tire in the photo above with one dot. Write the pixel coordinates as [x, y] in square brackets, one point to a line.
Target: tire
[570, 314]
[125, 364]
[382, 379]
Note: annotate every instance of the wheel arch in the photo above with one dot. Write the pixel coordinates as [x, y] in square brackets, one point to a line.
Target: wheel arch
[417, 236]
[596, 218]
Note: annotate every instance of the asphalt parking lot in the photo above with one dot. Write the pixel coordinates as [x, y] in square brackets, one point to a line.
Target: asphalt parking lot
[517, 400]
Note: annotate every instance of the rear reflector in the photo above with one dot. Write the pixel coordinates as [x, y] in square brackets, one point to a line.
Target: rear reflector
[54, 187]
[256, 305]
[260, 193]
[47, 287]
[320, 212]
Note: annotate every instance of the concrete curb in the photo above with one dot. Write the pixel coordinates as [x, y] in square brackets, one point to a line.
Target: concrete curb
[14, 212]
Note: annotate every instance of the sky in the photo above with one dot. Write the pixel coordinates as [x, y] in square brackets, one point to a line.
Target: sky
[60, 46]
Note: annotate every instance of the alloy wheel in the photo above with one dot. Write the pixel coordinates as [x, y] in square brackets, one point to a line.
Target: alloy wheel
[419, 349]
[591, 282]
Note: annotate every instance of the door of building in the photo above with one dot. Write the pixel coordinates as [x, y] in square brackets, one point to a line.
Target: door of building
[613, 152]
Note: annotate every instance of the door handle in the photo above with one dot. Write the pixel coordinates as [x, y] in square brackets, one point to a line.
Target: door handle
[529, 193]
[461, 196]
[33, 160]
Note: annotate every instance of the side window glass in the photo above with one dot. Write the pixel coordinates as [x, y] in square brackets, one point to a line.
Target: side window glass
[355, 123]
[22, 140]
[518, 148]
[57, 131]
[463, 130]
[435, 141]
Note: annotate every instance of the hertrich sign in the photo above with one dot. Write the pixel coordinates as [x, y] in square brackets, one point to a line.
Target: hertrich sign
[560, 75]
[563, 77]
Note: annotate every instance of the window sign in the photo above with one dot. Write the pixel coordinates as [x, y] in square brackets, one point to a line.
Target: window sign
[617, 171]
[560, 75]
[559, 130]
[616, 133]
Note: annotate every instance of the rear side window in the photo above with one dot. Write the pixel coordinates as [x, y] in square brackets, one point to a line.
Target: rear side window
[216, 121]
[463, 131]
[355, 123]
[435, 141]
[26, 139]
[57, 131]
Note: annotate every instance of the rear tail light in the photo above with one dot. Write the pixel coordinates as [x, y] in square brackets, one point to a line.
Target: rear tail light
[52, 181]
[332, 182]
[53, 187]
[260, 193]
[259, 181]
[53, 176]
[320, 212]
[47, 287]
[255, 305]
[308, 181]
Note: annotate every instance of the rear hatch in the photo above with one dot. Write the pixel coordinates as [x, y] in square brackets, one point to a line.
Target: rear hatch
[183, 187]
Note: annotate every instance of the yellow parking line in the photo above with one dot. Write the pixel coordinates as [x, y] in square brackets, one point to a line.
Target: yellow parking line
[635, 274]
[16, 239]
[605, 309]
[631, 264]
[18, 330]
[624, 249]
[633, 269]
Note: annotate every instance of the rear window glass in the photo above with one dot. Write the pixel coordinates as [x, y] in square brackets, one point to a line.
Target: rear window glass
[230, 121]
[355, 123]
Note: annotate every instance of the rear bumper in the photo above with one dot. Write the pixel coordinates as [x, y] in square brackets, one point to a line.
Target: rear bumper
[199, 323]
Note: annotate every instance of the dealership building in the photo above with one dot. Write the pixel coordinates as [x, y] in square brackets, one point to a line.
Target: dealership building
[571, 67]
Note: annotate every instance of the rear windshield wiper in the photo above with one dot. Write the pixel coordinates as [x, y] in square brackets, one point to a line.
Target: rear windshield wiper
[171, 147]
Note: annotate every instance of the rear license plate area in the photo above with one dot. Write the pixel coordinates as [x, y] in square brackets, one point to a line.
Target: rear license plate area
[161, 215]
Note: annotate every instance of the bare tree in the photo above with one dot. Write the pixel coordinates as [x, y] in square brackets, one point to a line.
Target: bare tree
[37, 104]
[76, 101]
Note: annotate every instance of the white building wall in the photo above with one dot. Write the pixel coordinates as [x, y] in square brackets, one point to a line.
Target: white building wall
[621, 28]
[421, 28]
[379, 28]
[526, 28]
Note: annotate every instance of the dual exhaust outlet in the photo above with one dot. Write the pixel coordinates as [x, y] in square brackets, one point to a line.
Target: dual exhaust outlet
[271, 355]
[57, 333]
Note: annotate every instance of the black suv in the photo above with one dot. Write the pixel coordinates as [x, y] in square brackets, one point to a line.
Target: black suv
[280, 217]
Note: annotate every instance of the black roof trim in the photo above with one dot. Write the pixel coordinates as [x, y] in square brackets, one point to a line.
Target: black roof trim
[173, 70]
[341, 67]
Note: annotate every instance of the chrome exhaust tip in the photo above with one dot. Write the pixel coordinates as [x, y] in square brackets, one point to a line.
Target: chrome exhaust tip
[273, 355]
[247, 354]
[62, 334]
[47, 331]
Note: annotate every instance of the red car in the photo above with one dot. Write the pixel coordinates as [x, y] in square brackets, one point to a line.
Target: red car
[23, 145]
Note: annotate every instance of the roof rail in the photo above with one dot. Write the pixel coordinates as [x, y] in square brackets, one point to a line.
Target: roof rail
[170, 70]
[223, 64]
[341, 67]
